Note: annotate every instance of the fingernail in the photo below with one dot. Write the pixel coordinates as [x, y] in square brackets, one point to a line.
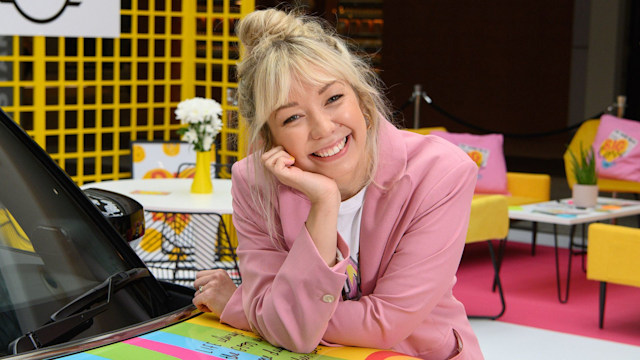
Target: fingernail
[293, 159]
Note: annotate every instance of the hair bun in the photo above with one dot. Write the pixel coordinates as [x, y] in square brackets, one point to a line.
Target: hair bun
[273, 25]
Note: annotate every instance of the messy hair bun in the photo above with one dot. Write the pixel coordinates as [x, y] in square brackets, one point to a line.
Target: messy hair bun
[270, 25]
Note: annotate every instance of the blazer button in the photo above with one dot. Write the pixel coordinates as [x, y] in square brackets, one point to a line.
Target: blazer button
[328, 298]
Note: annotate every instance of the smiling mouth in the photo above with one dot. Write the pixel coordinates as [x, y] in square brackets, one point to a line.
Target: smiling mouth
[332, 151]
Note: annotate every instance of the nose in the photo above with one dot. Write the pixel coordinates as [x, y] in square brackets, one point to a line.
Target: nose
[321, 125]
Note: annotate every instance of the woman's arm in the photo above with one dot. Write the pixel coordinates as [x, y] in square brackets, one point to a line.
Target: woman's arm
[289, 296]
[322, 192]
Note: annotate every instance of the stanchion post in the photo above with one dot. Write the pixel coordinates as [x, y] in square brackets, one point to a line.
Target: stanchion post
[417, 94]
[621, 104]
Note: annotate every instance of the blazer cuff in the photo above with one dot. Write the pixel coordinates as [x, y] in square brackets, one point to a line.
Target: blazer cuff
[233, 313]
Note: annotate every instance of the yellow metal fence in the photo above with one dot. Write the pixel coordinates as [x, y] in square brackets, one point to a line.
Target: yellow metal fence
[85, 99]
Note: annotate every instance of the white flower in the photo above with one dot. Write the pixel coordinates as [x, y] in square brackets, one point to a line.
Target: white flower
[207, 142]
[202, 118]
[190, 136]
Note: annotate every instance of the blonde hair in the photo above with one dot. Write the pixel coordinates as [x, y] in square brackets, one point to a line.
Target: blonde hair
[281, 48]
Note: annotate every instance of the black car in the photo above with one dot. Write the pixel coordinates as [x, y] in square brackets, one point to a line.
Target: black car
[68, 278]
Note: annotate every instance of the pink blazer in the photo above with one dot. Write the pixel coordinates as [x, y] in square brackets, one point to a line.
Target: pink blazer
[414, 224]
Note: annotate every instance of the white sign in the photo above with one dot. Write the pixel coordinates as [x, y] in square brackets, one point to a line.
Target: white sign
[69, 18]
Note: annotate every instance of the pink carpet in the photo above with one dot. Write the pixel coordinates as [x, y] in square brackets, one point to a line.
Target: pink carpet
[529, 284]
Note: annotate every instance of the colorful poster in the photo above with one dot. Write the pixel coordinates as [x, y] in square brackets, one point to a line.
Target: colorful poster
[203, 337]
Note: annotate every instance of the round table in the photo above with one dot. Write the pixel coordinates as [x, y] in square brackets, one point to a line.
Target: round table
[172, 195]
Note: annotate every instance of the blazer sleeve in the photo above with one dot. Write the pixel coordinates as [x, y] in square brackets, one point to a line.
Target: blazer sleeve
[420, 272]
[287, 296]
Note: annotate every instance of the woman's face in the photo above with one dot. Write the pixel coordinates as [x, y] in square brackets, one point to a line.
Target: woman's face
[324, 129]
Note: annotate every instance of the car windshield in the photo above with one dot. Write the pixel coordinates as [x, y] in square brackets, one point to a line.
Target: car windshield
[55, 246]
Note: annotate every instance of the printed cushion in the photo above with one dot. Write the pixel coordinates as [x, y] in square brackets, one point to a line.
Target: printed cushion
[616, 148]
[486, 151]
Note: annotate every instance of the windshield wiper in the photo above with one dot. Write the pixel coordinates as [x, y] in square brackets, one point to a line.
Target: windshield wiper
[72, 319]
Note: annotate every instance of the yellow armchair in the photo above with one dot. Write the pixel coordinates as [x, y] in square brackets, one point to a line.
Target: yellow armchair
[585, 135]
[528, 188]
[613, 252]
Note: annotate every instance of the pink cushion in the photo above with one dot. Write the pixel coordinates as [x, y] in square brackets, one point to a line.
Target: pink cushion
[617, 148]
[486, 151]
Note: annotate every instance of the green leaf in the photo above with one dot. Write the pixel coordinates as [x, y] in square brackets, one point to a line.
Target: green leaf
[584, 168]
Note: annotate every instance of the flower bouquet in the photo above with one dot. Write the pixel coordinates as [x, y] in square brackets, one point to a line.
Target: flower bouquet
[202, 118]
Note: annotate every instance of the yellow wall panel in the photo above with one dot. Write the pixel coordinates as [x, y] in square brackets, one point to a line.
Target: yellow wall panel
[85, 99]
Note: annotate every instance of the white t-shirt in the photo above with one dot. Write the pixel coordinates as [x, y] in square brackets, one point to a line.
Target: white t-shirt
[349, 220]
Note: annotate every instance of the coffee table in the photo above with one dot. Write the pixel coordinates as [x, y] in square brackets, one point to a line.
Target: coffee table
[563, 212]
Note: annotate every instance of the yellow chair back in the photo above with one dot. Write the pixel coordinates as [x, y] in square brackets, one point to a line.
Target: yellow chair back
[427, 130]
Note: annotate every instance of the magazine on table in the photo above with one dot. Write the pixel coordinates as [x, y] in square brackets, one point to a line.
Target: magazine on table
[607, 204]
[559, 208]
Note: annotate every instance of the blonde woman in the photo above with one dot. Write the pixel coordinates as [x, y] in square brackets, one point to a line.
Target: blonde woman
[350, 231]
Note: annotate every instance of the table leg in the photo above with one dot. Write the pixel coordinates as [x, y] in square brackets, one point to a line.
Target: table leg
[534, 235]
[555, 242]
[584, 247]
[502, 244]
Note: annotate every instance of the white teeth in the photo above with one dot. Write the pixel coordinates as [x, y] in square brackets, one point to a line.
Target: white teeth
[336, 149]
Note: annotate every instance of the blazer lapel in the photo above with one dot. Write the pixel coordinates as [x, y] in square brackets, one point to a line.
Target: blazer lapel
[384, 203]
[378, 240]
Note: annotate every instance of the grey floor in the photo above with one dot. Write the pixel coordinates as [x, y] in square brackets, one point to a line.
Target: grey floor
[503, 341]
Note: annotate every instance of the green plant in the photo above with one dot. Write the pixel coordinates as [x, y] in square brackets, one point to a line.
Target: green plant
[584, 168]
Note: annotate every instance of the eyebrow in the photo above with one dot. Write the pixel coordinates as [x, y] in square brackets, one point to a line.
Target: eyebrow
[324, 88]
[320, 92]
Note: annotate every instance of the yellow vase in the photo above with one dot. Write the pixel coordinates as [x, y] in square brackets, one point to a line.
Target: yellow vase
[202, 179]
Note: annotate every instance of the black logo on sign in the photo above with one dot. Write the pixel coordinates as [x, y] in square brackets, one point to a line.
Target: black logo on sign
[27, 11]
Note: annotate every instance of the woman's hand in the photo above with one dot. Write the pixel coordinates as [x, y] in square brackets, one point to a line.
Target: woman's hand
[316, 187]
[322, 191]
[214, 288]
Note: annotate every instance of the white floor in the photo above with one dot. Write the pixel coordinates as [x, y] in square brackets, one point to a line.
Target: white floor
[503, 341]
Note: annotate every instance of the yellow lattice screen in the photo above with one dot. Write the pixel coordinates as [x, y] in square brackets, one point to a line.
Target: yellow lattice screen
[85, 99]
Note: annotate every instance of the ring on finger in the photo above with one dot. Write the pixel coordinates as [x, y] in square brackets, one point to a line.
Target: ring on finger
[201, 288]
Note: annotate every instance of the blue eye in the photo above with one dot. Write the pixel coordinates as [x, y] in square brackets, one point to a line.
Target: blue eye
[334, 98]
[290, 119]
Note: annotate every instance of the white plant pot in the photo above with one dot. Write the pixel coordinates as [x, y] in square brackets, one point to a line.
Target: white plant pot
[585, 195]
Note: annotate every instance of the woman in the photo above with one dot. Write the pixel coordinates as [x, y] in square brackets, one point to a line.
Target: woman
[350, 231]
